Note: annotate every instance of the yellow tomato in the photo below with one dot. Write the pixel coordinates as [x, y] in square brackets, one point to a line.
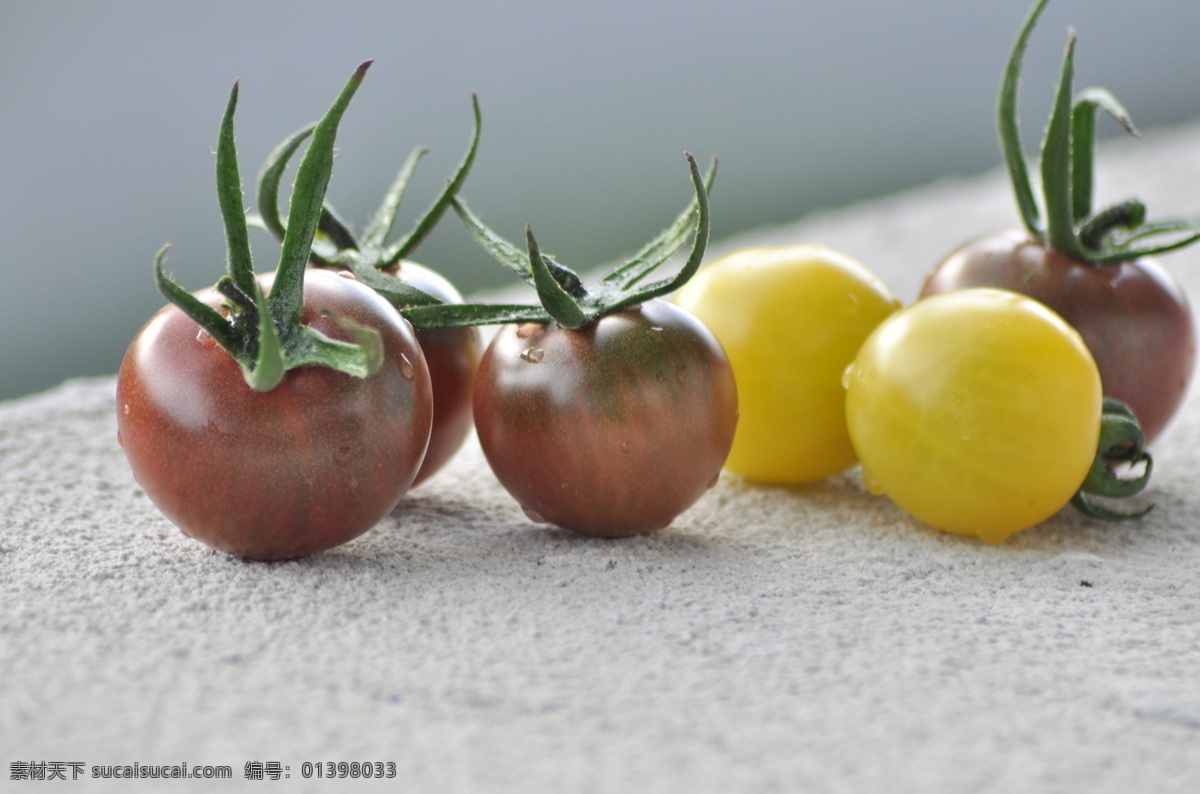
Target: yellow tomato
[977, 411]
[790, 319]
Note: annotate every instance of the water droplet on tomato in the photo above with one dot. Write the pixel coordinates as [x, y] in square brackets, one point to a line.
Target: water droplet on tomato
[406, 368]
[533, 355]
[871, 483]
[534, 515]
[627, 447]
[526, 330]
[346, 274]
[656, 328]
[126, 409]
[205, 338]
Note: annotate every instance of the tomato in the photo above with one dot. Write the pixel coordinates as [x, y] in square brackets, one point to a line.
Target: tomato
[977, 411]
[612, 429]
[452, 355]
[790, 319]
[310, 464]
[1134, 316]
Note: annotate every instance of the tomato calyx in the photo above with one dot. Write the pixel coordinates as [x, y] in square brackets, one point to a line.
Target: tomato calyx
[368, 255]
[1114, 234]
[563, 296]
[264, 333]
[1121, 468]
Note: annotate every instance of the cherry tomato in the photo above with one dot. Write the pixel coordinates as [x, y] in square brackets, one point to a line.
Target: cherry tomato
[452, 355]
[790, 319]
[1133, 315]
[612, 429]
[977, 411]
[313, 463]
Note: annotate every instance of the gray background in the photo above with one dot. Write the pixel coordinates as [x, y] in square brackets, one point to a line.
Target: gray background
[110, 110]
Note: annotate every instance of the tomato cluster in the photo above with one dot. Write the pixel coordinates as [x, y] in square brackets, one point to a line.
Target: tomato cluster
[280, 414]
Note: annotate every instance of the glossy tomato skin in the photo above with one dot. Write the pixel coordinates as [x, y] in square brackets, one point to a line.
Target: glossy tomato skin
[976, 411]
[613, 429]
[452, 355]
[307, 466]
[1134, 317]
[791, 319]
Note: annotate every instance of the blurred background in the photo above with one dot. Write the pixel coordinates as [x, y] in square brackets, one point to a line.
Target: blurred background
[109, 114]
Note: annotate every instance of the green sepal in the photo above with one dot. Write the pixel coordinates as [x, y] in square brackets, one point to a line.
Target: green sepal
[695, 256]
[360, 358]
[332, 229]
[209, 319]
[1010, 132]
[563, 296]
[229, 197]
[560, 304]
[665, 244]
[429, 219]
[500, 249]
[395, 291]
[380, 226]
[1057, 182]
[1129, 214]
[1093, 509]
[312, 178]
[1120, 248]
[268, 367]
[269, 176]
[1088, 103]
[1121, 468]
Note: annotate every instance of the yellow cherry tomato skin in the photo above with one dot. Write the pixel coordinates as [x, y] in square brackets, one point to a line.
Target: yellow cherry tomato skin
[790, 319]
[976, 411]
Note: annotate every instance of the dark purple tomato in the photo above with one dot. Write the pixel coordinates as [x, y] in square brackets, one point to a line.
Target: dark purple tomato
[453, 356]
[1133, 316]
[613, 429]
[311, 464]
